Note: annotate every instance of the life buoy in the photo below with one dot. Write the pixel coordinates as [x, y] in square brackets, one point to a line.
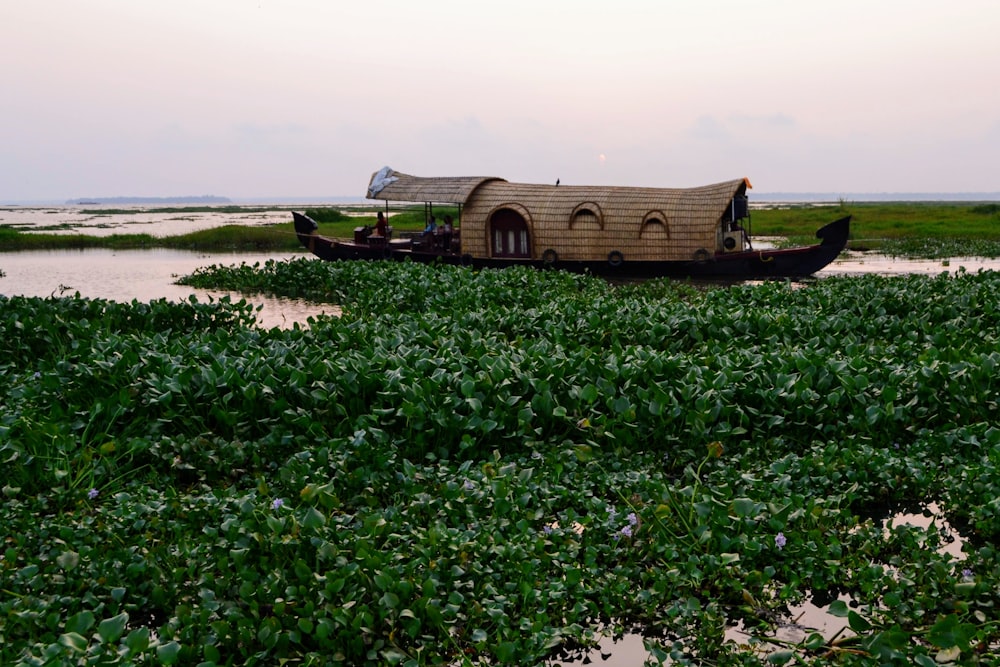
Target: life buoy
[701, 255]
[466, 259]
[615, 258]
[550, 256]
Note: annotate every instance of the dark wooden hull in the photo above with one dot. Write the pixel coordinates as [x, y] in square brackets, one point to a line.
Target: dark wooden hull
[777, 263]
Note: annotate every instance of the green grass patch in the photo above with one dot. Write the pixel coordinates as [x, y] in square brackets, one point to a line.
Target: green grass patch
[970, 229]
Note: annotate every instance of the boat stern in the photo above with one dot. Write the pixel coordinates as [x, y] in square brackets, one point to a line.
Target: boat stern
[305, 229]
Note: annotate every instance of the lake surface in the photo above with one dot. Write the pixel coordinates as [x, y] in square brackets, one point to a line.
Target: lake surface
[142, 275]
[105, 220]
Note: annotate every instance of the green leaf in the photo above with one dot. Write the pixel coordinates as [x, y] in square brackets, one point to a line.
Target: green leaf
[168, 653]
[393, 656]
[965, 588]
[80, 623]
[857, 622]
[212, 656]
[112, 628]
[68, 560]
[780, 657]
[838, 608]
[73, 642]
[744, 507]
[942, 633]
[313, 519]
[275, 524]
[507, 651]
[138, 640]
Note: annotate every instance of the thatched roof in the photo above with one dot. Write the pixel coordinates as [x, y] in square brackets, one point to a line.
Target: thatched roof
[708, 201]
[393, 186]
[390, 185]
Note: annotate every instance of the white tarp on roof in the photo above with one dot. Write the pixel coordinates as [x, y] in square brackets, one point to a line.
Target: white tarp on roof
[382, 178]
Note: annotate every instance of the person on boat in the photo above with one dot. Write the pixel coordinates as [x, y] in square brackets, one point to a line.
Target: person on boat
[446, 233]
[431, 228]
[382, 226]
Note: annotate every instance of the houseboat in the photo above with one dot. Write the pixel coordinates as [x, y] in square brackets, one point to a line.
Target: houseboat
[699, 232]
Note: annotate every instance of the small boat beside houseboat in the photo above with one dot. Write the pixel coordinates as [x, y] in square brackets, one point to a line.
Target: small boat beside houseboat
[700, 232]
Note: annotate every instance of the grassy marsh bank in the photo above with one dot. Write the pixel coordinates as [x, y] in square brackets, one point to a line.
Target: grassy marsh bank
[929, 230]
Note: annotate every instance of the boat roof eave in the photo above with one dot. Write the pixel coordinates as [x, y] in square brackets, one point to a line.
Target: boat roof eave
[389, 185]
[441, 190]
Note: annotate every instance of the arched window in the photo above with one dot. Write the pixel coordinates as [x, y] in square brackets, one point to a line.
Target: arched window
[654, 225]
[587, 214]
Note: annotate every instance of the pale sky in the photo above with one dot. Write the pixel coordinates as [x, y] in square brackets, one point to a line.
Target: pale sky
[287, 98]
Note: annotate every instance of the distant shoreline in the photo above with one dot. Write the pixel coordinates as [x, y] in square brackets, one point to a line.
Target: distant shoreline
[876, 196]
[104, 201]
[761, 197]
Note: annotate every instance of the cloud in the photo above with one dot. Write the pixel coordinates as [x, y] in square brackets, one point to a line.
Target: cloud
[775, 121]
[709, 128]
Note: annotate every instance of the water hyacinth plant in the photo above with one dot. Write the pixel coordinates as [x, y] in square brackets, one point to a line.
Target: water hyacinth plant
[473, 468]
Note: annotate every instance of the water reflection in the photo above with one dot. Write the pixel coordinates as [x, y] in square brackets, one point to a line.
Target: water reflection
[142, 275]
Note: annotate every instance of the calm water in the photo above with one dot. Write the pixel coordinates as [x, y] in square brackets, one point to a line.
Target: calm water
[143, 275]
[155, 221]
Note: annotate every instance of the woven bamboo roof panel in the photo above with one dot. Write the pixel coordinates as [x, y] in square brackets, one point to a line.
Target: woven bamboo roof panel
[442, 190]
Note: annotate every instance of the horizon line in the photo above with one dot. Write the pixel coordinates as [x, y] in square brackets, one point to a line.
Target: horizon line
[781, 195]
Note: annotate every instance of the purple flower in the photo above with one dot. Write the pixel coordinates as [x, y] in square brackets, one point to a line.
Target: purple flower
[627, 531]
[780, 541]
[37, 375]
[632, 519]
[469, 486]
[547, 529]
[92, 493]
[967, 573]
[278, 502]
